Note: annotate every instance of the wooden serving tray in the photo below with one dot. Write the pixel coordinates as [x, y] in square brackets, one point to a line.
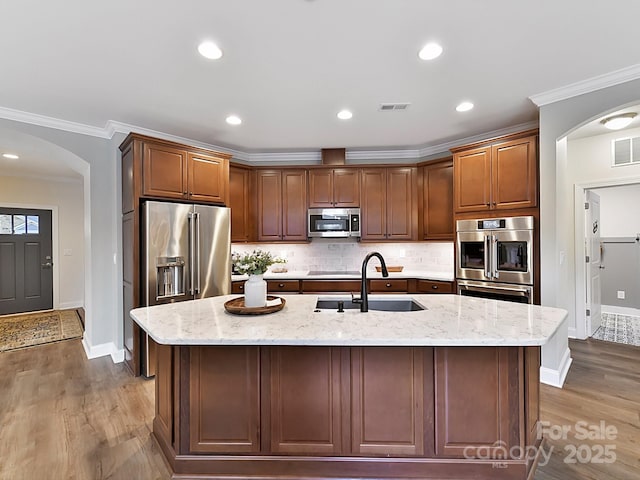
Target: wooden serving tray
[236, 306]
[393, 268]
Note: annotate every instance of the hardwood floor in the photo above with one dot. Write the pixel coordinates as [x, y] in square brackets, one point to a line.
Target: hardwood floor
[65, 417]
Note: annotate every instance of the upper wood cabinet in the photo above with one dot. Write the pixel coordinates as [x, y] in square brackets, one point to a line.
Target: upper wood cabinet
[388, 208]
[334, 187]
[497, 175]
[240, 203]
[179, 173]
[437, 201]
[282, 204]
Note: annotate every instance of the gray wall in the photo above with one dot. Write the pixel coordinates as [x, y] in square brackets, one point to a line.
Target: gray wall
[621, 262]
[558, 270]
[102, 295]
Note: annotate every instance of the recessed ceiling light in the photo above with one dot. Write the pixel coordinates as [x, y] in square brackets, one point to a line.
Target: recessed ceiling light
[430, 51]
[10, 156]
[234, 120]
[344, 114]
[617, 122]
[464, 107]
[210, 50]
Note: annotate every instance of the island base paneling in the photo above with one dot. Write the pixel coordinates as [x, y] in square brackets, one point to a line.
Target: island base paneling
[316, 412]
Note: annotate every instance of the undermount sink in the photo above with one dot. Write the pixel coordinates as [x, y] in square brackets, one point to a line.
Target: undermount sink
[378, 304]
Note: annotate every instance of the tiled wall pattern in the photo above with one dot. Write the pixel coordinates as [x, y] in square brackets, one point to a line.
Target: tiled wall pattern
[345, 255]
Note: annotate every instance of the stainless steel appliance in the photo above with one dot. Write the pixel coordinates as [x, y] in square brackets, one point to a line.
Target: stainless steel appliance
[186, 255]
[334, 222]
[495, 258]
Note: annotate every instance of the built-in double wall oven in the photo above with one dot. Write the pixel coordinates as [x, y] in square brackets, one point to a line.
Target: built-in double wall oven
[495, 258]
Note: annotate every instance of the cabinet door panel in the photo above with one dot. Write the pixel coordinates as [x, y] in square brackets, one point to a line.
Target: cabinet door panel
[164, 171]
[224, 403]
[208, 178]
[472, 176]
[373, 220]
[346, 188]
[294, 205]
[269, 205]
[320, 188]
[473, 408]
[387, 407]
[305, 400]
[401, 211]
[438, 202]
[239, 201]
[514, 174]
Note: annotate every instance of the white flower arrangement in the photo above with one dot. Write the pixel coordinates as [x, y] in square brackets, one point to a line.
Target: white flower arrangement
[254, 263]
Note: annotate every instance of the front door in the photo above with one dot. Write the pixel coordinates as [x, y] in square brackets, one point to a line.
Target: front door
[26, 265]
[593, 261]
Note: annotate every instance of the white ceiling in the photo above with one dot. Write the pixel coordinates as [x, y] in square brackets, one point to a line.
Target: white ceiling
[290, 65]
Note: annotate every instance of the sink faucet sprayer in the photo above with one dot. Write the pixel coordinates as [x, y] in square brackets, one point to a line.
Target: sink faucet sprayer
[364, 297]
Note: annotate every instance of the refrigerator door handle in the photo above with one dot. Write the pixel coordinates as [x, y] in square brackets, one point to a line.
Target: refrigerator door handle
[192, 250]
[197, 253]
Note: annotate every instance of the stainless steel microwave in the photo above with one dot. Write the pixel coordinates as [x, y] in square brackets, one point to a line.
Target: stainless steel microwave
[334, 222]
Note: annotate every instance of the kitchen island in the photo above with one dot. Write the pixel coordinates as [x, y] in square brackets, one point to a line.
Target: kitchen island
[447, 392]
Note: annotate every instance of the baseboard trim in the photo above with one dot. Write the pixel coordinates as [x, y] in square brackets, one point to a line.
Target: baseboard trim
[102, 350]
[556, 378]
[634, 312]
[572, 332]
[70, 305]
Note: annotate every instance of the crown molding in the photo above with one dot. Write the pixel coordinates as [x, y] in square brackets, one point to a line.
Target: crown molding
[114, 127]
[297, 158]
[44, 178]
[50, 122]
[586, 86]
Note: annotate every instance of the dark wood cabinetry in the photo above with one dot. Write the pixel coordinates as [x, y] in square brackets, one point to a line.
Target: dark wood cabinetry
[387, 202]
[159, 170]
[240, 203]
[437, 200]
[347, 412]
[433, 286]
[496, 175]
[285, 286]
[329, 286]
[282, 204]
[334, 187]
[388, 285]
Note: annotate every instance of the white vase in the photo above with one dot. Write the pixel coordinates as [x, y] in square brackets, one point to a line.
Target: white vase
[255, 291]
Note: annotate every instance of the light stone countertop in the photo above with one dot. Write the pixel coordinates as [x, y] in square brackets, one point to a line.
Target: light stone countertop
[448, 320]
[304, 275]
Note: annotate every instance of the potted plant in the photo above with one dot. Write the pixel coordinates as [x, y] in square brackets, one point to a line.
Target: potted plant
[254, 264]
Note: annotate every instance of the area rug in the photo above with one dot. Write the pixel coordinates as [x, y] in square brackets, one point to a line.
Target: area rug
[28, 330]
[619, 328]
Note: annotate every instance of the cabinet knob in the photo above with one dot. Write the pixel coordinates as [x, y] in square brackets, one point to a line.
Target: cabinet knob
[281, 285]
[241, 287]
[435, 287]
[185, 193]
[494, 204]
[488, 204]
[388, 285]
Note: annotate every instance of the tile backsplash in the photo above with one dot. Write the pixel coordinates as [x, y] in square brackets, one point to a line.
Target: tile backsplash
[343, 255]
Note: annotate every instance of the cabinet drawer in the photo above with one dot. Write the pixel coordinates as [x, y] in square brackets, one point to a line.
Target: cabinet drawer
[283, 285]
[237, 287]
[432, 286]
[330, 286]
[386, 285]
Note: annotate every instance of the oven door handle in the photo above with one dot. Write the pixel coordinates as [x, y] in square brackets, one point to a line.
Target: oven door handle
[517, 291]
[487, 256]
[494, 256]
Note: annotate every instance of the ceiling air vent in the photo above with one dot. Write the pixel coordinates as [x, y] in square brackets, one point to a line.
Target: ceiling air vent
[387, 107]
[626, 151]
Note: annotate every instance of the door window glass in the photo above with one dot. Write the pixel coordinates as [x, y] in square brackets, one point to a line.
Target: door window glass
[472, 255]
[512, 256]
[5, 225]
[33, 224]
[19, 224]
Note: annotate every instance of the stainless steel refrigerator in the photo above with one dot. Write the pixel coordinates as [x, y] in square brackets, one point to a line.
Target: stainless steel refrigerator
[186, 256]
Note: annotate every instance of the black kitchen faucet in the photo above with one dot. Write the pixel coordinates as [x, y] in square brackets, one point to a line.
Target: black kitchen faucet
[364, 296]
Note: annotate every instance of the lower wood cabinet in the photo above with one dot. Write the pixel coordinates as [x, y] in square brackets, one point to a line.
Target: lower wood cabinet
[387, 285]
[347, 411]
[285, 286]
[330, 286]
[434, 286]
